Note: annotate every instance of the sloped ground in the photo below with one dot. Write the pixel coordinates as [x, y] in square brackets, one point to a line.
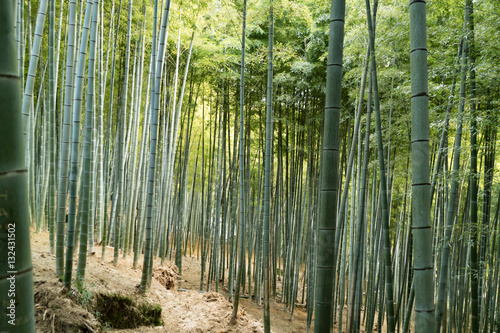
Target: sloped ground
[58, 310]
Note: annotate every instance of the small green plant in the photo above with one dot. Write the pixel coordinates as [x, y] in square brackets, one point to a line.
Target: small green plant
[106, 326]
[84, 296]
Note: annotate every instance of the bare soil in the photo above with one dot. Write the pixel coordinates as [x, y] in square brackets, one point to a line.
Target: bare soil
[184, 308]
[59, 310]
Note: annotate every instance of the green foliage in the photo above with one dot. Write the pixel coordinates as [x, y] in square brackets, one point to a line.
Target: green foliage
[84, 294]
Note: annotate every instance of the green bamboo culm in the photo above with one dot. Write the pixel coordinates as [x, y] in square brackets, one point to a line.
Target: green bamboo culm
[121, 146]
[383, 183]
[75, 147]
[89, 110]
[473, 180]
[152, 159]
[423, 268]
[52, 127]
[326, 258]
[241, 174]
[17, 312]
[62, 187]
[267, 171]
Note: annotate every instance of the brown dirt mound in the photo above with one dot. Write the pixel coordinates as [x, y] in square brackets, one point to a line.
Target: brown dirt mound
[56, 311]
[213, 297]
[167, 276]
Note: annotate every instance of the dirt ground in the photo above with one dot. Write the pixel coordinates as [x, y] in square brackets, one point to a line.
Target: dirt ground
[187, 310]
[58, 310]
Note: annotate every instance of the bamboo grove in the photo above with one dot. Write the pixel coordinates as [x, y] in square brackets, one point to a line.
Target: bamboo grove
[339, 154]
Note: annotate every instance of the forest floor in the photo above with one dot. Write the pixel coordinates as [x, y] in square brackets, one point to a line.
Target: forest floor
[189, 311]
[58, 310]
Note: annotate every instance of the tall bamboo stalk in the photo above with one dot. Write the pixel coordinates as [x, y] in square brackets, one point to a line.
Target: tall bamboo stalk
[75, 147]
[52, 77]
[383, 180]
[89, 120]
[267, 171]
[326, 259]
[423, 268]
[62, 189]
[152, 159]
[241, 176]
[18, 311]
